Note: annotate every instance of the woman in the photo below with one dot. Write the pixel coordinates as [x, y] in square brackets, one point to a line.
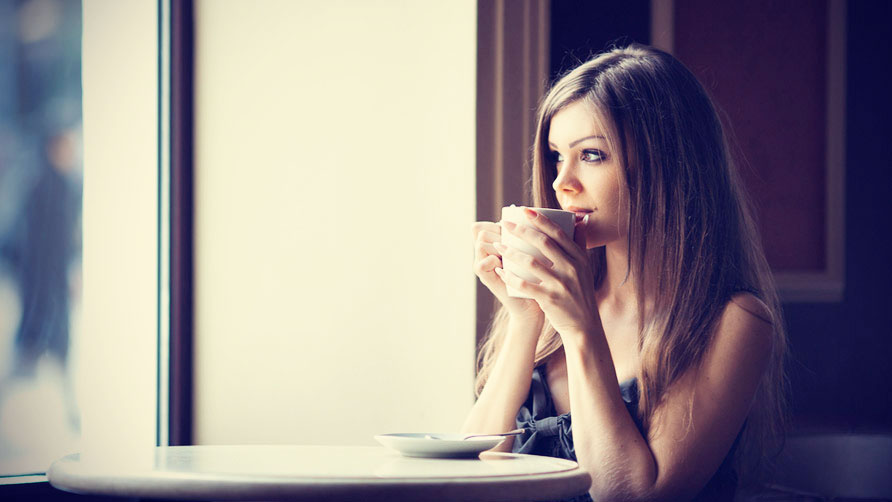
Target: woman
[652, 349]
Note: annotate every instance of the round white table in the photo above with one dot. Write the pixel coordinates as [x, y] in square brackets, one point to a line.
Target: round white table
[303, 473]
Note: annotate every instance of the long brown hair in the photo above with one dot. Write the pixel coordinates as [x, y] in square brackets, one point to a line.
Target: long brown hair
[692, 239]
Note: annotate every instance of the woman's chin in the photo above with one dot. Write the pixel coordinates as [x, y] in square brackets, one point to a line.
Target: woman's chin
[594, 244]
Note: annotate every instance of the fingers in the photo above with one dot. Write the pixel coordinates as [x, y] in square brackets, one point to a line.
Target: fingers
[553, 275]
[551, 249]
[485, 233]
[546, 293]
[512, 280]
[487, 265]
[486, 237]
[485, 226]
[486, 256]
[485, 270]
[527, 263]
[488, 261]
[483, 246]
[549, 228]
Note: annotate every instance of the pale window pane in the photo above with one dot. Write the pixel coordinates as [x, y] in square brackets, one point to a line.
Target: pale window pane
[334, 200]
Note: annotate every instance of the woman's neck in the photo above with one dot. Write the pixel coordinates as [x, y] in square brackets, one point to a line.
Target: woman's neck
[618, 290]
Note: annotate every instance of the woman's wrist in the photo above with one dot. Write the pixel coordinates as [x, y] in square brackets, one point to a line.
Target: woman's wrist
[527, 319]
[525, 327]
[590, 341]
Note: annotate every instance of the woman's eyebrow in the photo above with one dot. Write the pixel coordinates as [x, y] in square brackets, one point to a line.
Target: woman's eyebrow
[580, 140]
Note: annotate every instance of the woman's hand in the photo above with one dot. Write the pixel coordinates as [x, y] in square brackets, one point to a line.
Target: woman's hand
[486, 260]
[565, 290]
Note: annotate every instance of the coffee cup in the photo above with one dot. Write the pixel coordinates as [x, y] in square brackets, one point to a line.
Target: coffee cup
[566, 220]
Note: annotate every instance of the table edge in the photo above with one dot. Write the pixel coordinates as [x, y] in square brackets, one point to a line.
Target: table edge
[239, 487]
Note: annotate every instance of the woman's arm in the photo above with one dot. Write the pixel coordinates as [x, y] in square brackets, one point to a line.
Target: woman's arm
[509, 379]
[693, 428]
[508, 384]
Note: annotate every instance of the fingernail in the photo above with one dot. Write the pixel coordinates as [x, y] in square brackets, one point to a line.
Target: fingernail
[499, 246]
[499, 271]
[530, 213]
[510, 225]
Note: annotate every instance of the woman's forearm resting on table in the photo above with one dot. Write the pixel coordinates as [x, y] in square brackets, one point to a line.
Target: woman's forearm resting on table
[607, 442]
[508, 384]
[691, 431]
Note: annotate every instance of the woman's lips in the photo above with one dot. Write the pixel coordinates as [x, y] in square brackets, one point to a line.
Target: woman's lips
[580, 212]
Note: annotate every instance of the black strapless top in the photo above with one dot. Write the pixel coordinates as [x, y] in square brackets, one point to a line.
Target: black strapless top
[551, 435]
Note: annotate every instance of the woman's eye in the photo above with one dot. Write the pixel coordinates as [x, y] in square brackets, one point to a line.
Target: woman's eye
[556, 157]
[593, 156]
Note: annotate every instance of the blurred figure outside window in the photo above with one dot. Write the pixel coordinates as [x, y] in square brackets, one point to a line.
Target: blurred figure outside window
[40, 229]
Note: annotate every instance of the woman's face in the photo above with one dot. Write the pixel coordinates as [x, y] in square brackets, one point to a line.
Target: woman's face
[589, 177]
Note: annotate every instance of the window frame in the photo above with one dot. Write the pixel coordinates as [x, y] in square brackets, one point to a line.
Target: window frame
[173, 243]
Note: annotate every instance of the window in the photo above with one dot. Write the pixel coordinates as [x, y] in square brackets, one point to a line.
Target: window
[79, 114]
[40, 231]
[334, 192]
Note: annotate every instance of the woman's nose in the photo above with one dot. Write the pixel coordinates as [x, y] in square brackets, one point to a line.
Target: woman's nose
[566, 180]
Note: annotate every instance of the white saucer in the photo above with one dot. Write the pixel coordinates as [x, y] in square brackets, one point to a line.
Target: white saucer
[438, 445]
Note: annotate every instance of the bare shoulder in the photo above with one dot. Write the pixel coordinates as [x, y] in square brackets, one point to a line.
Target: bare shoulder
[752, 305]
[745, 325]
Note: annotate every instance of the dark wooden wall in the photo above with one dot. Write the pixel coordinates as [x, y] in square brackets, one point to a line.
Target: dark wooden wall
[842, 353]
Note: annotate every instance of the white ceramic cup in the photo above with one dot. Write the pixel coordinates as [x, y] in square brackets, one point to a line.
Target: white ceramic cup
[566, 220]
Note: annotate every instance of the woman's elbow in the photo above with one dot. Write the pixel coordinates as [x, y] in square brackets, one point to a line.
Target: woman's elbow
[625, 485]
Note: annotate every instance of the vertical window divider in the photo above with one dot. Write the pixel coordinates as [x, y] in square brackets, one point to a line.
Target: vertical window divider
[164, 234]
[181, 206]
